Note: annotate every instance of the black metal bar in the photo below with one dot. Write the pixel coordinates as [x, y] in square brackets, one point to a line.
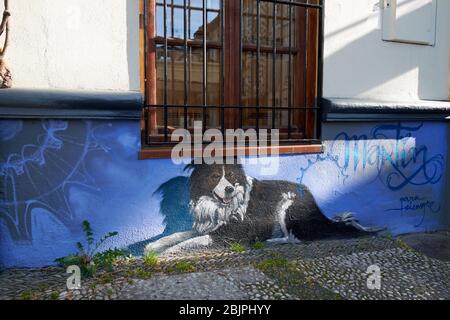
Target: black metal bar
[281, 142]
[190, 7]
[297, 4]
[274, 61]
[217, 44]
[146, 93]
[229, 107]
[205, 63]
[290, 73]
[305, 69]
[320, 54]
[189, 20]
[185, 113]
[241, 60]
[166, 116]
[258, 56]
[222, 64]
[146, 133]
[172, 24]
[190, 50]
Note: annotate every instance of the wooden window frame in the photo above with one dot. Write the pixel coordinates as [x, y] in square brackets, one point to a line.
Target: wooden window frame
[311, 94]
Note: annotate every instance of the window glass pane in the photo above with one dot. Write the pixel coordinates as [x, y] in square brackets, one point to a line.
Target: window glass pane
[196, 3]
[176, 81]
[282, 26]
[249, 116]
[175, 75]
[266, 24]
[213, 91]
[282, 81]
[248, 94]
[195, 24]
[213, 27]
[178, 23]
[213, 87]
[175, 118]
[195, 76]
[281, 122]
[160, 21]
[213, 4]
[250, 23]
[264, 75]
[271, 93]
[249, 20]
[160, 74]
[297, 124]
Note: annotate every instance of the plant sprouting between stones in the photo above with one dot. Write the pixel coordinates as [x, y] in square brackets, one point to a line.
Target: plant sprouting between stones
[88, 258]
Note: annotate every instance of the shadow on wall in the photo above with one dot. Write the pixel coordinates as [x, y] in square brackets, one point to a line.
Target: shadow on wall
[370, 69]
[176, 211]
[133, 45]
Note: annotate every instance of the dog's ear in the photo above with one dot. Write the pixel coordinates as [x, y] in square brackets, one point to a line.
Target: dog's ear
[191, 166]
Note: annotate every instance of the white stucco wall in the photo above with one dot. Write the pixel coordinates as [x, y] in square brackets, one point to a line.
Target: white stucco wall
[76, 44]
[94, 44]
[449, 75]
[359, 64]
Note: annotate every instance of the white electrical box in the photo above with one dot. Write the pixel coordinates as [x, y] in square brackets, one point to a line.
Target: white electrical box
[410, 21]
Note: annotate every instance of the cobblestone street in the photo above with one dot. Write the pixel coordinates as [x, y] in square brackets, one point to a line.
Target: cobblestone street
[332, 269]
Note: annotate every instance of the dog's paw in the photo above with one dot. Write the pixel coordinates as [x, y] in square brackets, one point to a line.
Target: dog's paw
[345, 217]
[290, 239]
[153, 248]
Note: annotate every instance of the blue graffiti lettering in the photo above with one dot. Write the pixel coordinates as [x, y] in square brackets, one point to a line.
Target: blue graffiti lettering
[414, 204]
[386, 150]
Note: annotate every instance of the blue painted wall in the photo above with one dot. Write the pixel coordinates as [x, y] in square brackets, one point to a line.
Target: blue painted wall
[55, 174]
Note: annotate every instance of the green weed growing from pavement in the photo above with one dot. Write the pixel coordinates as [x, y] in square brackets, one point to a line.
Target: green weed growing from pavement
[54, 296]
[88, 258]
[403, 245]
[151, 259]
[105, 278]
[29, 295]
[237, 247]
[258, 245]
[273, 264]
[109, 293]
[142, 273]
[184, 267]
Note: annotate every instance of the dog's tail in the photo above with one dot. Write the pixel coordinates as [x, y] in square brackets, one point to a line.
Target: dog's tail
[349, 219]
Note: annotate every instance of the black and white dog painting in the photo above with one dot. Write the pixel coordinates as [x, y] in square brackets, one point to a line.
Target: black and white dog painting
[229, 206]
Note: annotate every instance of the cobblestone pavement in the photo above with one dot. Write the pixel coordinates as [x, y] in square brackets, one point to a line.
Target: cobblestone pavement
[244, 283]
[328, 269]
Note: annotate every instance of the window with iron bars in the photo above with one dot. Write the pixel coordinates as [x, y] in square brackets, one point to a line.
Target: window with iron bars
[233, 64]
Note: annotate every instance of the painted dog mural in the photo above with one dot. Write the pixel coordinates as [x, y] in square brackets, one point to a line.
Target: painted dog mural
[56, 173]
[229, 206]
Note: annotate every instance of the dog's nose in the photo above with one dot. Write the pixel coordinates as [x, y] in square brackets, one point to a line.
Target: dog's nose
[229, 189]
